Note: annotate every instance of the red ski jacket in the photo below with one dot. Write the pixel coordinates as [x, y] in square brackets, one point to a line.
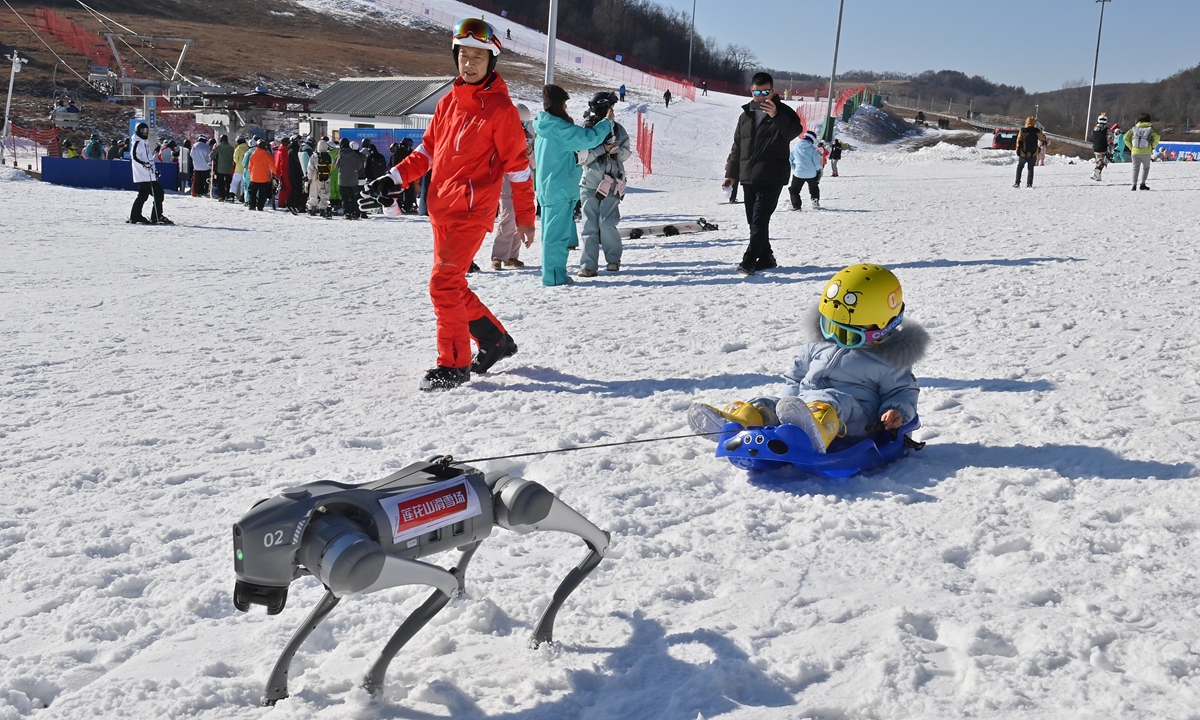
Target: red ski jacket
[473, 140]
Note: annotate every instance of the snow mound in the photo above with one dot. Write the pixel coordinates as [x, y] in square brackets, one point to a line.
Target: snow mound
[871, 125]
[11, 174]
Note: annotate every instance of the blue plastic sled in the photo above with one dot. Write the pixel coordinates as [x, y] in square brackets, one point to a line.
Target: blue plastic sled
[773, 447]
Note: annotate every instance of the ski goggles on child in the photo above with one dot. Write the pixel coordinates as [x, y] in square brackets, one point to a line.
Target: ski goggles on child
[478, 29]
[851, 336]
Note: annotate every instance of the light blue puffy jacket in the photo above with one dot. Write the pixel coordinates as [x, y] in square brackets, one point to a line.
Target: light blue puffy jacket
[558, 172]
[862, 383]
[805, 160]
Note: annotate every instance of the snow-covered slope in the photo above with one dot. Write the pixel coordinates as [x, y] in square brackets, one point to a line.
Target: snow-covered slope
[1038, 559]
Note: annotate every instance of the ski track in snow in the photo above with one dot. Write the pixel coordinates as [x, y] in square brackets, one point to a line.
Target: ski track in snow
[1037, 559]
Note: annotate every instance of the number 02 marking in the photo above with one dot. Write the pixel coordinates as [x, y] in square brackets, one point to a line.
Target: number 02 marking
[273, 538]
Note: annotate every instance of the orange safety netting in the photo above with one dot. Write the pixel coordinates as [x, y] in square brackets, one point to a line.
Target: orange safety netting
[86, 42]
[37, 143]
[645, 144]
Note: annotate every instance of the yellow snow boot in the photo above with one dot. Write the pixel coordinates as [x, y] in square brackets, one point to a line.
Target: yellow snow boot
[742, 412]
[818, 420]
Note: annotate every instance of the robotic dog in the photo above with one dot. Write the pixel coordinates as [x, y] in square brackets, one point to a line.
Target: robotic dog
[363, 538]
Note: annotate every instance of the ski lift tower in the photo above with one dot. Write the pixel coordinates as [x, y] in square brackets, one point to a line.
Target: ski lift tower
[149, 87]
[17, 62]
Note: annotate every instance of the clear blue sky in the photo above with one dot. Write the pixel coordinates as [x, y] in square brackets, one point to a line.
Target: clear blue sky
[1039, 44]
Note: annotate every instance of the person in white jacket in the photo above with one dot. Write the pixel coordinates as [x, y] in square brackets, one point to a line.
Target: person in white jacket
[201, 167]
[146, 177]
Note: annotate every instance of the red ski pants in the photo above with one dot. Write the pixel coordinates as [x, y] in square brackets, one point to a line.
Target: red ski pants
[460, 314]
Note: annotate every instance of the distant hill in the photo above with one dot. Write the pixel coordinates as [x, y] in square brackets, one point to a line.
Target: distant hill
[1174, 103]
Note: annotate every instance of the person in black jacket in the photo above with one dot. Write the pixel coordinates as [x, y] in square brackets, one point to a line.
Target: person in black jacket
[1102, 145]
[759, 162]
[297, 191]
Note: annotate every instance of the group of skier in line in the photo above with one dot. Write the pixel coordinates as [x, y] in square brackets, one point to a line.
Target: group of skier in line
[295, 173]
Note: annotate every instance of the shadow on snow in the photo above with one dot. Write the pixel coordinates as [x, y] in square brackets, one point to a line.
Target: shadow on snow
[639, 680]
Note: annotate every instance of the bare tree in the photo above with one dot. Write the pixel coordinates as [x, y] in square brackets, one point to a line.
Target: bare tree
[741, 57]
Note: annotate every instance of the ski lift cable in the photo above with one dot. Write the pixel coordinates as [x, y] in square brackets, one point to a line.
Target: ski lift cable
[114, 22]
[101, 17]
[39, 37]
[97, 16]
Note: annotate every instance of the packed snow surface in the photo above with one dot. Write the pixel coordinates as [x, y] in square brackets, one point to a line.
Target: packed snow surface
[1038, 559]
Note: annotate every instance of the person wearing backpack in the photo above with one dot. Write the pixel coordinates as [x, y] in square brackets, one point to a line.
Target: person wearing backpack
[320, 169]
[1141, 139]
[1029, 141]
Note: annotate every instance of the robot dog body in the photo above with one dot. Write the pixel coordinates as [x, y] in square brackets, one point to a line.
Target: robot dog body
[364, 538]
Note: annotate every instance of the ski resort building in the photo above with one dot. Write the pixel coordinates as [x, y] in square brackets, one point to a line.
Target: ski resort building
[394, 103]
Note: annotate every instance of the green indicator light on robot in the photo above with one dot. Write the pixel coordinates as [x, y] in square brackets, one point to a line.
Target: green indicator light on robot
[239, 555]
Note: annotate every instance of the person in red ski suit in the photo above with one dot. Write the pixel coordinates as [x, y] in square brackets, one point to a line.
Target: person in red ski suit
[281, 173]
[473, 142]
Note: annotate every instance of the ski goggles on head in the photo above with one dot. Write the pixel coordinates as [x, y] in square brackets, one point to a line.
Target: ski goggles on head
[478, 29]
[852, 336]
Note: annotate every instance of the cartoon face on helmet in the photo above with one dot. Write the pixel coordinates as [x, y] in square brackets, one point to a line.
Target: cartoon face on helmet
[861, 304]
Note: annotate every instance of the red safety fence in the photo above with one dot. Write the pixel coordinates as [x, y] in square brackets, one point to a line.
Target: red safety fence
[31, 145]
[812, 113]
[86, 42]
[645, 144]
[574, 52]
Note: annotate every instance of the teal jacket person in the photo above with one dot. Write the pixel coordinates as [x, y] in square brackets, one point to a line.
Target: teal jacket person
[558, 176]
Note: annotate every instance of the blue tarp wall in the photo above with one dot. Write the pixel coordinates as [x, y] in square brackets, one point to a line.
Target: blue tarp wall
[116, 174]
[1179, 151]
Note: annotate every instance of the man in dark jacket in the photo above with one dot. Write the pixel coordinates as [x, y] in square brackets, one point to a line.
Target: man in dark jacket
[759, 162]
[1029, 142]
[374, 163]
[222, 164]
[349, 164]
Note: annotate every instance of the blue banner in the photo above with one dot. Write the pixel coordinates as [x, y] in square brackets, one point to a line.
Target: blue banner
[381, 138]
[1179, 151]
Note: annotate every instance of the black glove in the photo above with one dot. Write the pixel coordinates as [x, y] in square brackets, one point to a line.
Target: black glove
[370, 199]
[383, 185]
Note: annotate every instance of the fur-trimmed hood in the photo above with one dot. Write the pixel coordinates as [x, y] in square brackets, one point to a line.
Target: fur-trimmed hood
[902, 348]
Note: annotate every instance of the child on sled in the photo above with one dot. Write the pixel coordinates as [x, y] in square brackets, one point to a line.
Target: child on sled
[853, 375]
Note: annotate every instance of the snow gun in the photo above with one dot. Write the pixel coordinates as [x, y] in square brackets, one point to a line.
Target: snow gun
[369, 537]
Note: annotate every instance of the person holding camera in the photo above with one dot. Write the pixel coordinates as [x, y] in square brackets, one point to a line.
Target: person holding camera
[759, 162]
[602, 189]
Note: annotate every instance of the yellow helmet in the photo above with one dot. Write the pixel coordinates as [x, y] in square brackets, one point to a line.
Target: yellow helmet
[861, 304]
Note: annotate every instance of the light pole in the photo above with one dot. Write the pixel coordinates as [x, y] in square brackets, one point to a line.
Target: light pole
[1087, 120]
[827, 134]
[691, 40]
[551, 32]
[17, 62]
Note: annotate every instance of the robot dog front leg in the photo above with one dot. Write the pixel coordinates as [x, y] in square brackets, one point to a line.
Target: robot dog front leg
[524, 506]
[346, 560]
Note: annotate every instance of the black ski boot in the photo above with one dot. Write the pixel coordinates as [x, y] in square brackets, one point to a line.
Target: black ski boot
[487, 357]
[445, 378]
[142, 220]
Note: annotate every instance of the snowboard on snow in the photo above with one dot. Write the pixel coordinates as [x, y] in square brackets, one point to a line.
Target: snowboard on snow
[669, 230]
